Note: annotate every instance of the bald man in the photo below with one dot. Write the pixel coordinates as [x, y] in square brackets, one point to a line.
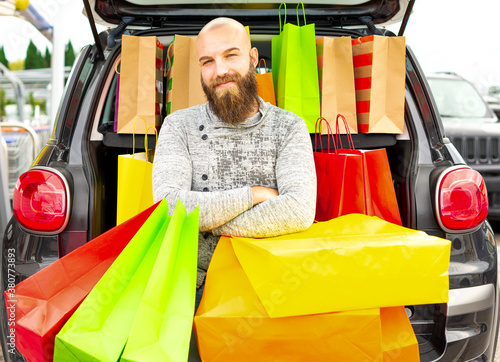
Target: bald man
[247, 164]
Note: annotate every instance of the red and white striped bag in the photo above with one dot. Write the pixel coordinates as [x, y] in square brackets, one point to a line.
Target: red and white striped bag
[379, 72]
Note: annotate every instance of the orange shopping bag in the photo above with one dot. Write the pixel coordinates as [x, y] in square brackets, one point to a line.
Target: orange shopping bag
[265, 86]
[235, 323]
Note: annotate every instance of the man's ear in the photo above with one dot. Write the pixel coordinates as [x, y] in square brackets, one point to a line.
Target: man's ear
[254, 54]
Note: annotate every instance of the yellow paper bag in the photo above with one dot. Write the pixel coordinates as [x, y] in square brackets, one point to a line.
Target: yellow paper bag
[351, 262]
[134, 184]
[232, 324]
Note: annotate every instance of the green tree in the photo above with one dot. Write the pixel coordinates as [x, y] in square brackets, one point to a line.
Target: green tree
[48, 58]
[3, 103]
[69, 55]
[3, 59]
[34, 58]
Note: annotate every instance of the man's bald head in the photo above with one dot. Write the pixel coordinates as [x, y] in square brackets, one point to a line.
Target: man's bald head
[230, 24]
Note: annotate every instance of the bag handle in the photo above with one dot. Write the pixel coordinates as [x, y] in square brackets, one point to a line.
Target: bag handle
[265, 67]
[168, 66]
[117, 64]
[279, 14]
[149, 158]
[303, 13]
[348, 133]
[330, 134]
[145, 136]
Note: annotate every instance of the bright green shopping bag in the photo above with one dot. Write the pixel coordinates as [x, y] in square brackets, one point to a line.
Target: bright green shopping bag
[162, 327]
[99, 328]
[164, 250]
[295, 70]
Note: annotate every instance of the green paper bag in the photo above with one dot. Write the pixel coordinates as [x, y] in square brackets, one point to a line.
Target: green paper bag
[99, 328]
[295, 70]
[162, 328]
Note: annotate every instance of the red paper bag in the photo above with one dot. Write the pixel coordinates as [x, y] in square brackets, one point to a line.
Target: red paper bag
[359, 181]
[45, 301]
[340, 180]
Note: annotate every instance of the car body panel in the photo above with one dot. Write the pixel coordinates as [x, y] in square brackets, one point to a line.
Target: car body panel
[463, 329]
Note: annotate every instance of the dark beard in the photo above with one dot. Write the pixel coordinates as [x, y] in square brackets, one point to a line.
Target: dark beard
[236, 104]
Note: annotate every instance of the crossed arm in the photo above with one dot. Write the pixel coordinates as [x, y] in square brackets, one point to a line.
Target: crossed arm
[250, 211]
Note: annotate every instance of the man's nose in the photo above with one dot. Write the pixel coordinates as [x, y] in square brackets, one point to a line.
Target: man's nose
[221, 68]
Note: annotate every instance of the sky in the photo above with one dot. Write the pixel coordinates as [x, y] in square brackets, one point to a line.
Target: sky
[446, 35]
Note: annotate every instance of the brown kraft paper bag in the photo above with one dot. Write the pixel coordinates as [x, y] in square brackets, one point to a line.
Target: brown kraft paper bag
[183, 76]
[379, 72]
[336, 81]
[141, 83]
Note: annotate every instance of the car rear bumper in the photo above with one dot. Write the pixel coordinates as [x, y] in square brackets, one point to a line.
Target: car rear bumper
[471, 329]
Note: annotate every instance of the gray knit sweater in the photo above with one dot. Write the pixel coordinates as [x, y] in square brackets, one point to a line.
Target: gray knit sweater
[205, 162]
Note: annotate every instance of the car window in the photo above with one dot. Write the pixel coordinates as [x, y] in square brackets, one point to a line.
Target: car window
[457, 98]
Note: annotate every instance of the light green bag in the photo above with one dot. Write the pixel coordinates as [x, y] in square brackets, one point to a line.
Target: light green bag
[162, 328]
[295, 70]
[100, 328]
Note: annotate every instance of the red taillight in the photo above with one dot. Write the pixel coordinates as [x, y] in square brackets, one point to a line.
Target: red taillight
[462, 200]
[41, 201]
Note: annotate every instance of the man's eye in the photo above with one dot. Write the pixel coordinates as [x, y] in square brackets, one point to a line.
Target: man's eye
[231, 55]
[206, 62]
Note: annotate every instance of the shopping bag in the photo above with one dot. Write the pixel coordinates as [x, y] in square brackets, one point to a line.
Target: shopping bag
[134, 184]
[99, 328]
[42, 303]
[340, 187]
[164, 320]
[232, 323]
[378, 188]
[183, 75]
[143, 306]
[351, 262]
[295, 69]
[379, 71]
[141, 83]
[399, 343]
[336, 80]
[265, 86]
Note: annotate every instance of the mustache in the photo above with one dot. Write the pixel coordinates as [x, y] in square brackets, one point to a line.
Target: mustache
[224, 79]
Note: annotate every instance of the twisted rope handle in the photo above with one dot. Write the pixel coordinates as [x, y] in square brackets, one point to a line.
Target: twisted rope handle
[330, 134]
[348, 133]
[303, 13]
[279, 14]
[265, 67]
[146, 142]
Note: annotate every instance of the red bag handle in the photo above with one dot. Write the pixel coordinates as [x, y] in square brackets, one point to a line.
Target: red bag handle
[348, 133]
[330, 134]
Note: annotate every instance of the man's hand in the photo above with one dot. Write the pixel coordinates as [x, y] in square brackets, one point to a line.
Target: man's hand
[261, 193]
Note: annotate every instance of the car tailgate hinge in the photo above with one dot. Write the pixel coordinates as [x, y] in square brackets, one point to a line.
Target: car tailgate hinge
[368, 21]
[117, 32]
